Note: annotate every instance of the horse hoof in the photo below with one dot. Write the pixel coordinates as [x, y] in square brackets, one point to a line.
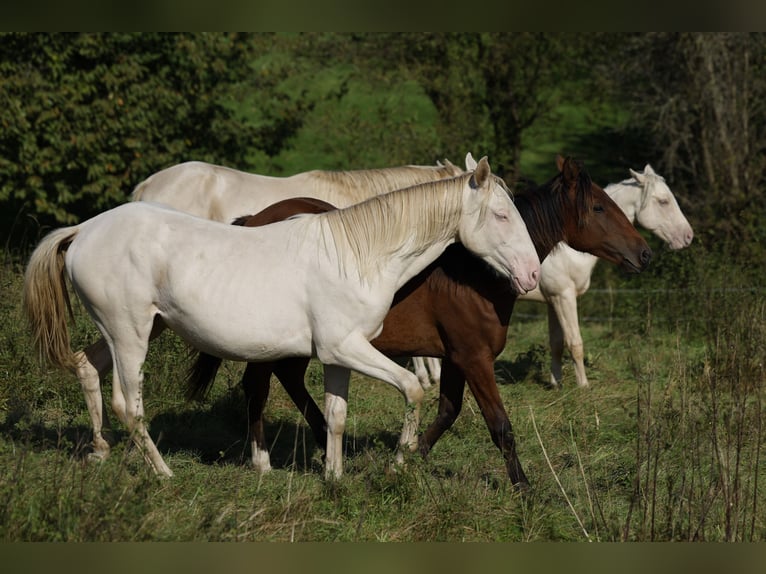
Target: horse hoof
[97, 456]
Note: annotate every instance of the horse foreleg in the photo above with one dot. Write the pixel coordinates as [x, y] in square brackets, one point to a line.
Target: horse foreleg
[451, 388]
[565, 306]
[256, 382]
[336, 381]
[93, 363]
[291, 373]
[556, 343]
[358, 354]
[427, 369]
[434, 368]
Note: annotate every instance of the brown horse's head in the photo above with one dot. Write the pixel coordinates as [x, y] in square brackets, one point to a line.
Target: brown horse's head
[571, 208]
[599, 227]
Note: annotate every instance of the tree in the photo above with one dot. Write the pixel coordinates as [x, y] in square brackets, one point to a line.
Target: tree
[702, 96]
[87, 116]
[488, 88]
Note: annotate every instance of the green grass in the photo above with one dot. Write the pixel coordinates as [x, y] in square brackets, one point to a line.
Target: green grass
[664, 446]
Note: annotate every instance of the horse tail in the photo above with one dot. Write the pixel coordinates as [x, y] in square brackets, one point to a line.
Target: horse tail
[46, 299]
[201, 375]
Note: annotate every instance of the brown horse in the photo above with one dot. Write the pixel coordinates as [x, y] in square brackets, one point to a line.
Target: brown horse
[457, 309]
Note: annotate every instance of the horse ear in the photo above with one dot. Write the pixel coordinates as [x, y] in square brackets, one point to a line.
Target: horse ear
[569, 168]
[470, 163]
[560, 162]
[481, 173]
[639, 177]
[648, 170]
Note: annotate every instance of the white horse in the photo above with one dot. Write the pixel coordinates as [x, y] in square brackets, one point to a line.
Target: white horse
[223, 194]
[645, 198]
[313, 285]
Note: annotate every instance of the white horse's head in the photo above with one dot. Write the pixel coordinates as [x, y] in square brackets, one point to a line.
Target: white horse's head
[659, 211]
[492, 228]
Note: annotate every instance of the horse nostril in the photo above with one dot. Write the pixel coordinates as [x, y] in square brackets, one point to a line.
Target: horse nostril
[536, 275]
[646, 257]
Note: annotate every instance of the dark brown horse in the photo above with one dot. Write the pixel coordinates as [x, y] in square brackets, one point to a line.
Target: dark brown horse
[456, 309]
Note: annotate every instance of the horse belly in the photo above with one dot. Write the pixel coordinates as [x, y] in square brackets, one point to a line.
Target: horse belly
[263, 316]
[259, 334]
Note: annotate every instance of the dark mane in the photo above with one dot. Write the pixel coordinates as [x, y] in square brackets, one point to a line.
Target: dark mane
[543, 207]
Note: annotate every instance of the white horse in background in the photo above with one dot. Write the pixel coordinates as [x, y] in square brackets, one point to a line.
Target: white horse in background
[223, 194]
[313, 285]
[645, 198]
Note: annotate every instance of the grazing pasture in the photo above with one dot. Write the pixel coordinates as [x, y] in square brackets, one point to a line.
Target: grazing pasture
[665, 445]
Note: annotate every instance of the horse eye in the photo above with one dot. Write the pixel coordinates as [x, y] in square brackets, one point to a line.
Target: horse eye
[501, 216]
[663, 201]
[598, 208]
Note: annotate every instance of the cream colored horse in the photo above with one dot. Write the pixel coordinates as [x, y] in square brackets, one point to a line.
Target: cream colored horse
[223, 194]
[315, 285]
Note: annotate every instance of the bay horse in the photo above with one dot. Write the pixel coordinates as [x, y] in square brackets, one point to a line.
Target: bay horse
[457, 309]
[647, 200]
[313, 285]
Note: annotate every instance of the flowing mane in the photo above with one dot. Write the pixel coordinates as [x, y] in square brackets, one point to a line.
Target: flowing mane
[546, 206]
[358, 185]
[382, 224]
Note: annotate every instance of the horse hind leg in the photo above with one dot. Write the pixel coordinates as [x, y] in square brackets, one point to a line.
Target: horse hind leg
[129, 349]
[256, 382]
[93, 363]
[421, 372]
[291, 373]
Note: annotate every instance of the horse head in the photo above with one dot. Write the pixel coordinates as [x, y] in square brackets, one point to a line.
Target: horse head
[492, 228]
[600, 226]
[659, 212]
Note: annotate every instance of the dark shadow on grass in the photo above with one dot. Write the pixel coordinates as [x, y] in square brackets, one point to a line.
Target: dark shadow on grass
[525, 367]
[21, 426]
[214, 434]
[219, 435]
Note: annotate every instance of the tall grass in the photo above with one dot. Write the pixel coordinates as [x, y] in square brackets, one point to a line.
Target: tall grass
[699, 443]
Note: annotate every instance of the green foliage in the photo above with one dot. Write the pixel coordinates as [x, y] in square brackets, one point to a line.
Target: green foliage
[87, 116]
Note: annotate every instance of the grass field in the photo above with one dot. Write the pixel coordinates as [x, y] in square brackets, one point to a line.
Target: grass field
[664, 446]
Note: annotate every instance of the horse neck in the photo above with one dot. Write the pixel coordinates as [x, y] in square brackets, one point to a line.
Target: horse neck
[395, 235]
[627, 195]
